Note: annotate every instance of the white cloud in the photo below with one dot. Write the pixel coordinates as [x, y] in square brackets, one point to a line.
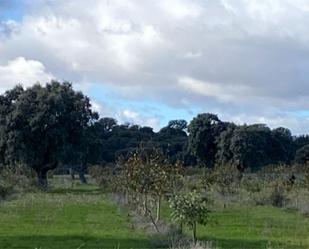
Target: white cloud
[181, 8]
[136, 118]
[22, 71]
[298, 124]
[192, 55]
[223, 93]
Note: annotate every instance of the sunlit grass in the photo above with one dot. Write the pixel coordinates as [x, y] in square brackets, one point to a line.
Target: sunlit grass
[74, 218]
[243, 227]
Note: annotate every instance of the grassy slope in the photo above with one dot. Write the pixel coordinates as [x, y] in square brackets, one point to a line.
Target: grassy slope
[78, 218]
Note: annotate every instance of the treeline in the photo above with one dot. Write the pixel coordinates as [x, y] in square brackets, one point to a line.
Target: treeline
[52, 126]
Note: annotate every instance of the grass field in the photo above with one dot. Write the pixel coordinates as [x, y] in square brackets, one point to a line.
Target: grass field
[66, 219]
[82, 217]
[258, 227]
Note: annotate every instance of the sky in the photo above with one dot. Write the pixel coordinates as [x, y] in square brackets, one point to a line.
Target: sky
[147, 62]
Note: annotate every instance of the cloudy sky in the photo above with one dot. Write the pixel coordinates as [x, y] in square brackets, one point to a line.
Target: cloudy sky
[147, 61]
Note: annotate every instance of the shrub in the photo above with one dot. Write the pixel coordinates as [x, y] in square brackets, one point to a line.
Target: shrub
[17, 178]
[225, 178]
[5, 190]
[103, 175]
[190, 209]
[277, 197]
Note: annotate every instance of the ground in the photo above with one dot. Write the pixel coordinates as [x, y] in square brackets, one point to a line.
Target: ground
[83, 217]
[257, 227]
[70, 219]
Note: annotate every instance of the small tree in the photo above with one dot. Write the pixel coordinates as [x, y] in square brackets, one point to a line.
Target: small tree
[147, 177]
[190, 209]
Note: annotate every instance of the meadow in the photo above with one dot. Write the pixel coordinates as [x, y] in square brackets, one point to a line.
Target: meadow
[66, 218]
[83, 216]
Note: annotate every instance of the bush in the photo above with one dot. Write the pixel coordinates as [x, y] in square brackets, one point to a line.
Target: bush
[18, 178]
[104, 176]
[5, 190]
[277, 197]
[225, 178]
[190, 209]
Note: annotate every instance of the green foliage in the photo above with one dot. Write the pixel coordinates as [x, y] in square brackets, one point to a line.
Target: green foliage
[5, 189]
[45, 127]
[146, 178]
[104, 176]
[190, 209]
[254, 146]
[302, 155]
[225, 178]
[172, 140]
[18, 178]
[203, 132]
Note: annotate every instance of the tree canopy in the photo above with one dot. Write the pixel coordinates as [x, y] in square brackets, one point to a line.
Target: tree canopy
[46, 126]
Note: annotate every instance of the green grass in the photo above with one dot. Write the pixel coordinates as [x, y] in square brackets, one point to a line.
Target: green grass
[69, 217]
[79, 217]
[255, 227]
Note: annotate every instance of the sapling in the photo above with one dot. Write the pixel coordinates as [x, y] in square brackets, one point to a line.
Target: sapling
[190, 209]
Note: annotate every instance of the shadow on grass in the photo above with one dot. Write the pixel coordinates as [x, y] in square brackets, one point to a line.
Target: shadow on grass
[250, 244]
[77, 191]
[71, 242]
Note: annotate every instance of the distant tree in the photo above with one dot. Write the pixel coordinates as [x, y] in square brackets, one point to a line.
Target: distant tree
[300, 141]
[178, 124]
[203, 133]
[225, 155]
[46, 127]
[302, 155]
[253, 146]
[107, 124]
[124, 139]
[98, 135]
[281, 146]
[172, 139]
[250, 145]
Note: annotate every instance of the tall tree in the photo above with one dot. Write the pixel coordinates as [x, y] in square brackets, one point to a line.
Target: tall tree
[250, 145]
[47, 127]
[172, 139]
[7, 101]
[282, 146]
[203, 133]
[225, 155]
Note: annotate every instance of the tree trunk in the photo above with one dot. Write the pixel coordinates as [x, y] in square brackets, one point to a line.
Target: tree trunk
[158, 209]
[194, 233]
[72, 174]
[42, 179]
[82, 177]
[145, 206]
